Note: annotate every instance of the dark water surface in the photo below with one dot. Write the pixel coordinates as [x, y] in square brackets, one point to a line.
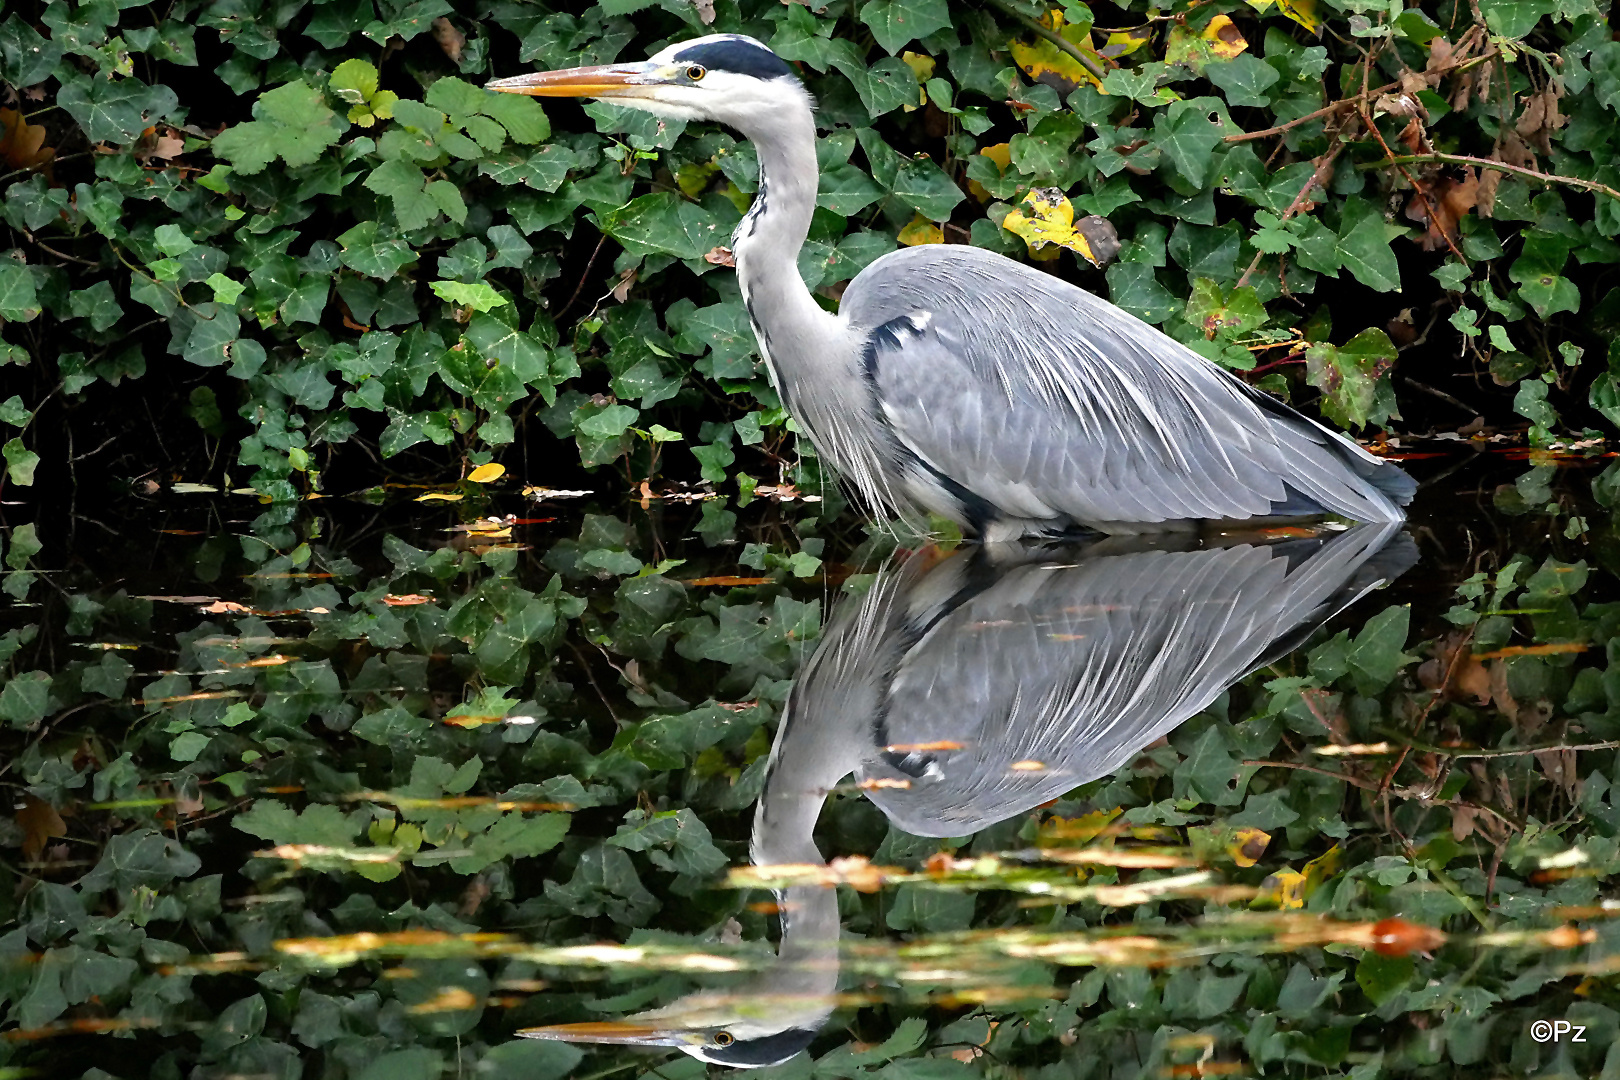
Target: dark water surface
[359, 788]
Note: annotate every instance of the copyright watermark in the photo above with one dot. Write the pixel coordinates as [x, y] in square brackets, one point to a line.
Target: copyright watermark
[1557, 1031]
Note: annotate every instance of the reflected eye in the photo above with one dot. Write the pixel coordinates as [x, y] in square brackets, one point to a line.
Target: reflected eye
[722, 1038]
[695, 72]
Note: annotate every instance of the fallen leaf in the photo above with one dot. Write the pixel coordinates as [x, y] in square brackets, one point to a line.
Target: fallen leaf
[451, 40]
[484, 474]
[720, 256]
[22, 145]
[40, 822]
[438, 496]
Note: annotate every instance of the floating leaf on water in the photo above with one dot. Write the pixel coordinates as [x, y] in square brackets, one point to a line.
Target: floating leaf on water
[439, 496]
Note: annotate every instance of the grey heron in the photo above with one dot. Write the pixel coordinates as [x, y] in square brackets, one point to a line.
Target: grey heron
[956, 381]
[946, 683]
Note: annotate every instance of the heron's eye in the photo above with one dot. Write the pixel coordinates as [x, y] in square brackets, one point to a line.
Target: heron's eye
[722, 1038]
[695, 72]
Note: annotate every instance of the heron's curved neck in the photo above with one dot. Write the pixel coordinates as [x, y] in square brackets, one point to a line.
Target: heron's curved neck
[767, 241]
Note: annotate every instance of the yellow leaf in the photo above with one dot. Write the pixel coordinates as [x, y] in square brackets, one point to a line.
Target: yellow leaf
[1001, 154]
[1224, 39]
[693, 178]
[1323, 867]
[438, 496]
[921, 231]
[1050, 223]
[1220, 40]
[485, 473]
[1301, 11]
[1046, 63]
[1283, 890]
[1124, 42]
[921, 64]
[1078, 831]
[1247, 845]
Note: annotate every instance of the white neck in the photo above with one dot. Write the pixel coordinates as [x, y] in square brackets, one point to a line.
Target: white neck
[768, 240]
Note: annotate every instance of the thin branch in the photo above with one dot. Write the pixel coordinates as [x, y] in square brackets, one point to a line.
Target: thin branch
[1062, 43]
[1499, 166]
[1322, 173]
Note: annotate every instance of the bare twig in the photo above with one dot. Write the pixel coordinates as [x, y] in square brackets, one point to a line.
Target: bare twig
[1499, 166]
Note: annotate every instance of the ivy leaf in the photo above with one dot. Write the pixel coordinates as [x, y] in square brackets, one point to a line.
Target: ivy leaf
[1188, 139]
[1134, 287]
[1363, 245]
[1214, 311]
[416, 200]
[1354, 378]
[291, 122]
[115, 112]
[924, 187]
[896, 23]
[18, 300]
[478, 296]
[25, 57]
[847, 190]
[372, 254]
[20, 462]
[1244, 80]
[665, 223]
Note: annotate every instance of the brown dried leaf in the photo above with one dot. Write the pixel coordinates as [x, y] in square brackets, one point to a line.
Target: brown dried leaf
[22, 145]
[1414, 138]
[1440, 53]
[40, 822]
[1450, 199]
[720, 256]
[621, 291]
[1488, 183]
[1513, 151]
[1462, 822]
[451, 40]
[1463, 91]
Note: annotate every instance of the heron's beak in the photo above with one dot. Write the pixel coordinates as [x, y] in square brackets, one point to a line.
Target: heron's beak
[618, 1032]
[602, 81]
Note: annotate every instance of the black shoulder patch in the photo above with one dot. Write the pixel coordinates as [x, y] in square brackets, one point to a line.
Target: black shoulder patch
[736, 56]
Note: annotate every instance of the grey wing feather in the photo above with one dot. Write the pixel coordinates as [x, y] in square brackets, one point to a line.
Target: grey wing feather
[1079, 666]
[1048, 402]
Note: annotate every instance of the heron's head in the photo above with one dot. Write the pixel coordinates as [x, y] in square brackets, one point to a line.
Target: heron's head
[744, 1030]
[729, 78]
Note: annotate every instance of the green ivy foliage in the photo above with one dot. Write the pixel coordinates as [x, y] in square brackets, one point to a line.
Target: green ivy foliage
[313, 217]
[327, 731]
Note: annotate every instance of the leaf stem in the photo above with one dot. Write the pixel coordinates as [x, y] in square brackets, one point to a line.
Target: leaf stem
[1499, 166]
[1062, 43]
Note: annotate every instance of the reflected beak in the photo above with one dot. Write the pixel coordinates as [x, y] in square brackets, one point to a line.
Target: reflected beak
[603, 81]
[618, 1032]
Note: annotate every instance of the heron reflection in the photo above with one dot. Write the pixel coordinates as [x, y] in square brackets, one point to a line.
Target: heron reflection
[965, 691]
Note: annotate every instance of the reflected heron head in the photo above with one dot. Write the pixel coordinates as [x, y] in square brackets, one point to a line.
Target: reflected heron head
[730, 78]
